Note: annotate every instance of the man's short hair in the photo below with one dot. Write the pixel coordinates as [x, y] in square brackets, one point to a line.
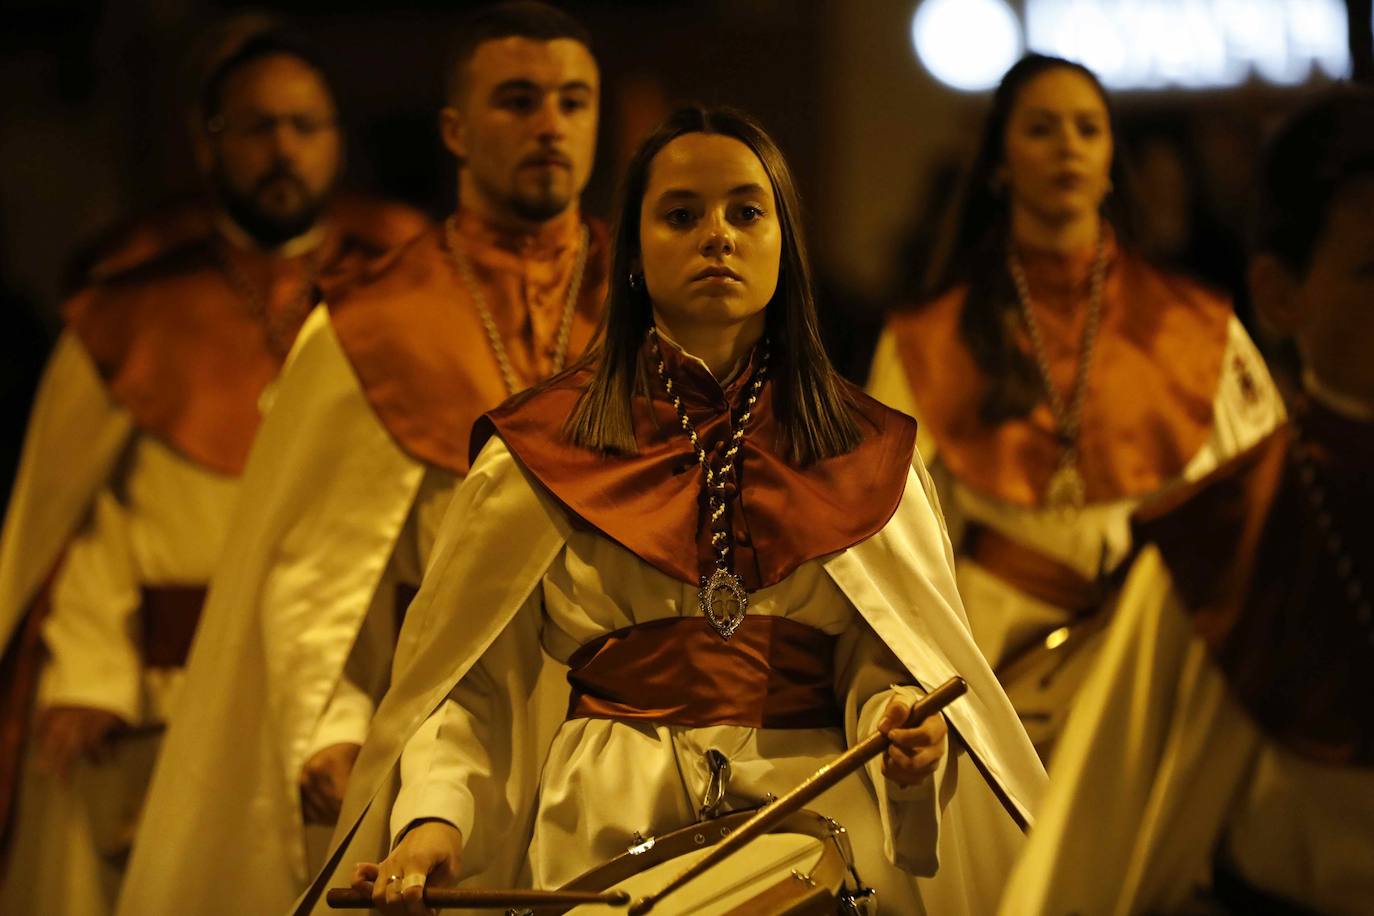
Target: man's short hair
[513, 19]
[1325, 146]
[256, 48]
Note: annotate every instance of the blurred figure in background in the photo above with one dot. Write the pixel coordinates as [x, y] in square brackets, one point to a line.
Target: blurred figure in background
[356, 463]
[1224, 746]
[129, 473]
[1059, 380]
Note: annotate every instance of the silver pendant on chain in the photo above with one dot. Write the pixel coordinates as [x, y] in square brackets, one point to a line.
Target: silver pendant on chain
[723, 600]
[1067, 491]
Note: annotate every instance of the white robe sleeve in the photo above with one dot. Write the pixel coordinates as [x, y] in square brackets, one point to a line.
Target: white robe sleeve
[345, 718]
[1248, 405]
[456, 757]
[90, 633]
[868, 677]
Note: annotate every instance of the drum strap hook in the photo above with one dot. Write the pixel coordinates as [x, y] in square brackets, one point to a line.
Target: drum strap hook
[714, 796]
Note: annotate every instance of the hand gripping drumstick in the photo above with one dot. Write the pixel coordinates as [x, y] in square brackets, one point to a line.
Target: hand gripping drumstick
[346, 898]
[769, 816]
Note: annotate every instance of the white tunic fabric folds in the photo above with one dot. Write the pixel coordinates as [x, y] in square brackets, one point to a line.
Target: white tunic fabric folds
[472, 693]
[332, 516]
[1160, 772]
[1094, 539]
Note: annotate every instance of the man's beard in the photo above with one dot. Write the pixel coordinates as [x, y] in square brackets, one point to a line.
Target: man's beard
[270, 229]
[539, 207]
[536, 202]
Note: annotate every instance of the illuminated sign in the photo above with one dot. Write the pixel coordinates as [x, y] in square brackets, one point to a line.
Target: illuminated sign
[1137, 44]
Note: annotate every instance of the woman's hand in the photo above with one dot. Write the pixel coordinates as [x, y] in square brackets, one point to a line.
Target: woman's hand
[914, 752]
[323, 781]
[66, 734]
[428, 854]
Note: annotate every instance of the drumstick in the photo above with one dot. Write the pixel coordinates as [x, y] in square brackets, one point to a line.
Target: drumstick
[346, 898]
[770, 815]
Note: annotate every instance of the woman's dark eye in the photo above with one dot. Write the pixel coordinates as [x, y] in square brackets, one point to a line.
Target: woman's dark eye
[678, 216]
[749, 213]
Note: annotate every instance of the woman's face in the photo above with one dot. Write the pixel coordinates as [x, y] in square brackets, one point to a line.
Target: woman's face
[709, 237]
[1058, 146]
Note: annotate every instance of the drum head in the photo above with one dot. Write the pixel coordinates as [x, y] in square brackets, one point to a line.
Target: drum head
[796, 869]
[730, 885]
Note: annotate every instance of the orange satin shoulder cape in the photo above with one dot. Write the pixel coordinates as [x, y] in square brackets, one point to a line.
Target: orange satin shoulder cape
[375, 224]
[181, 349]
[651, 503]
[418, 346]
[1152, 385]
[1250, 564]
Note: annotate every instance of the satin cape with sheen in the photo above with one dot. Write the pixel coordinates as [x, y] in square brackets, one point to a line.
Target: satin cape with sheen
[900, 579]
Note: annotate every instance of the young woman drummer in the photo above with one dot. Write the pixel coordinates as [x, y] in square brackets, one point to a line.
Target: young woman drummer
[731, 550]
[1059, 381]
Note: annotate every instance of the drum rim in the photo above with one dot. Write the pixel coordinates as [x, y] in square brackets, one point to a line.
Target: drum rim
[828, 872]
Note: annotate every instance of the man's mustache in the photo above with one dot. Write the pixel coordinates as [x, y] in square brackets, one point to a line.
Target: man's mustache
[280, 173]
[547, 157]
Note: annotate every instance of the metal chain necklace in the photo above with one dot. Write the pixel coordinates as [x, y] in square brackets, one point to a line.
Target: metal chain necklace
[722, 597]
[280, 333]
[1335, 545]
[1067, 491]
[498, 348]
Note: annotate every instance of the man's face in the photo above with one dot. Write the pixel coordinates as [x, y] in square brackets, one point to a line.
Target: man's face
[1336, 298]
[525, 126]
[274, 151]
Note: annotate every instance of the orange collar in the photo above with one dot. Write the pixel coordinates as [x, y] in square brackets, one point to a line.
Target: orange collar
[418, 344]
[651, 502]
[1151, 388]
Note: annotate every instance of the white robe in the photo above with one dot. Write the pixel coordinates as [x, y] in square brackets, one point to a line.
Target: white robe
[1096, 538]
[145, 517]
[478, 611]
[332, 516]
[1159, 769]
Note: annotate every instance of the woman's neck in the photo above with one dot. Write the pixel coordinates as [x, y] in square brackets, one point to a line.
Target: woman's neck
[1060, 236]
[720, 347]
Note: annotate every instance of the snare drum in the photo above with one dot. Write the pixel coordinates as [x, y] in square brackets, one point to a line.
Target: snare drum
[803, 867]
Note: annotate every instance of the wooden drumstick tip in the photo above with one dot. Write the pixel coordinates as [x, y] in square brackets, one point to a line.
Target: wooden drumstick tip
[642, 906]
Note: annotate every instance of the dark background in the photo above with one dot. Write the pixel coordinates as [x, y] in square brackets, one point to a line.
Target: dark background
[93, 132]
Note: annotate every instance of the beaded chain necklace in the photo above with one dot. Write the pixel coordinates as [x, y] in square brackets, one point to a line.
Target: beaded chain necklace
[1067, 491]
[280, 328]
[1333, 542]
[722, 597]
[479, 301]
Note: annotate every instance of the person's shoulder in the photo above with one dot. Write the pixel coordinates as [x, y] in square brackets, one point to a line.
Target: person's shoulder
[1176, 287]
[535, 414]
[376, 224]
[884, 421]
[939, 310]
[414, 266]
[148, 283]
[1213, 509]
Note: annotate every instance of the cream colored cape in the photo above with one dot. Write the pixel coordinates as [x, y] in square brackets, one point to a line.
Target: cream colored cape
[324, 498]
[75, 435]
[901, 580]
[1153, 771]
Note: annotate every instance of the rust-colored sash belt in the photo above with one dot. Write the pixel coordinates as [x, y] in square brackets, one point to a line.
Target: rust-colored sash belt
[170, 615]
[773, 673]
[1028, 570]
